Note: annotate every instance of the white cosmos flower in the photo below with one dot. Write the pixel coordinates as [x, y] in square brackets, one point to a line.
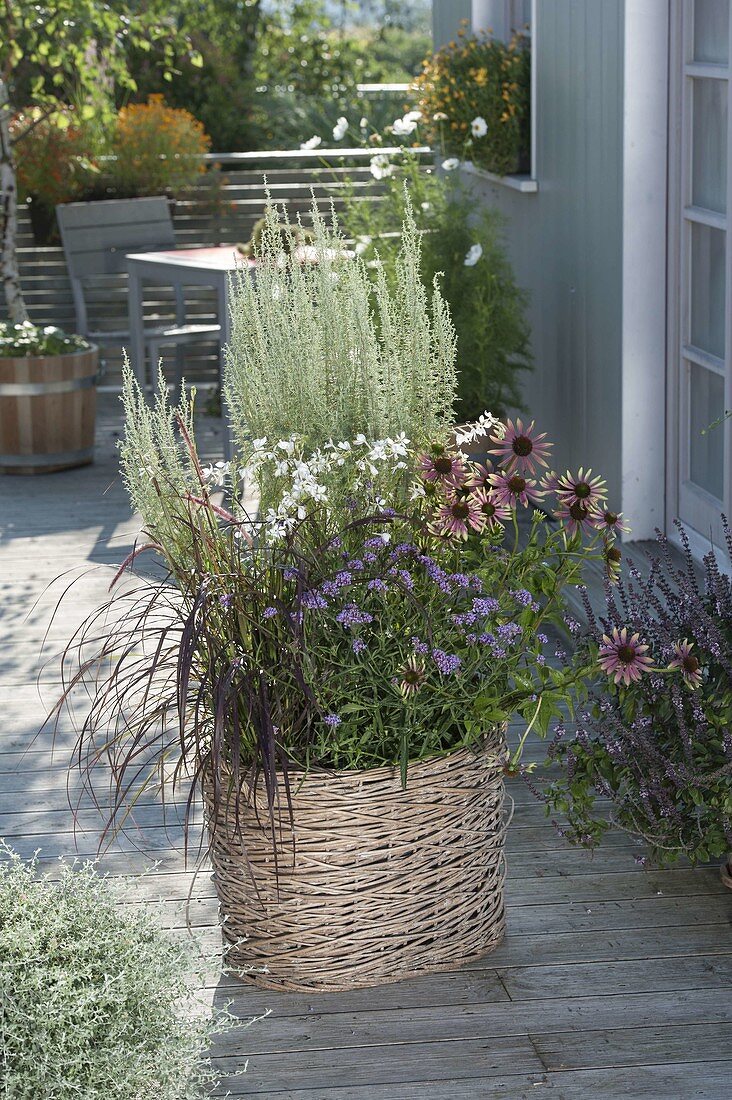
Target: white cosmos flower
[401, 127]
[339, 130]
[311, 143]
[479, 127]
[413, 116]
[450, 164]
[473, 255]
[381, 166]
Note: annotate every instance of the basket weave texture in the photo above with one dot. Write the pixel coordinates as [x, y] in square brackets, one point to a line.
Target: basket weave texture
[373, 882]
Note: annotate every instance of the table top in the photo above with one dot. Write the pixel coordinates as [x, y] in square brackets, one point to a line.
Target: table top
[223, 257]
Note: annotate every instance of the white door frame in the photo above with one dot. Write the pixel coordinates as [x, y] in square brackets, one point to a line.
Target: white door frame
[679, 183]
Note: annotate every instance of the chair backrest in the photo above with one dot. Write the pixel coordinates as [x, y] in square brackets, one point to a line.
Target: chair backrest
[98, 235]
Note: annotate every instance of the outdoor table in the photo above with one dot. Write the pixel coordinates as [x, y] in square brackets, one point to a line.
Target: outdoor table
[179, 268]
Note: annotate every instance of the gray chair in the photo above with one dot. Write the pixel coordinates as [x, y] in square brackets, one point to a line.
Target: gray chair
[96, 237]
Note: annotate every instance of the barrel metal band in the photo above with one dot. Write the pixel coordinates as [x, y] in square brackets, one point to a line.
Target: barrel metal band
[38, 389]
[60, 458]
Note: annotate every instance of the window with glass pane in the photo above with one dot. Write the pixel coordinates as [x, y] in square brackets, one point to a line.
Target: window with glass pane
[706, 444]
[709, 145]
[707, 289]
[711, 30]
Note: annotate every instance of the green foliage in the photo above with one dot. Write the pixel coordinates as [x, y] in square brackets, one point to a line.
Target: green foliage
[486, 305]
[60, 49]
[480, 77]
[25, 339]
[94, 999]
[307, 355]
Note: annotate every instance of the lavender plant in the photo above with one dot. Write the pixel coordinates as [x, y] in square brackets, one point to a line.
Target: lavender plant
[655, 738]
[95, 1000]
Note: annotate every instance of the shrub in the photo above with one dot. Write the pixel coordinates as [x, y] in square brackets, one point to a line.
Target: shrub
[93, 994]
[158, 148]
[54, 157]
[341, 368]
[486, 304]
[479, 78]
[656, 736]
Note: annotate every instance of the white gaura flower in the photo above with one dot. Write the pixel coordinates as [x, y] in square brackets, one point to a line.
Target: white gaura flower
[425, 205]
[486, 424]
[450, 164]
[473, 255]
[439, 116]
[311, 143]
[364, 123]
[381, 166]
[339, 130]
[479, 127]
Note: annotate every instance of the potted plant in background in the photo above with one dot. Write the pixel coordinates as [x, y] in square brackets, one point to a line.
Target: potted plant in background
[351, 618]
[47, 399]
[655, 736]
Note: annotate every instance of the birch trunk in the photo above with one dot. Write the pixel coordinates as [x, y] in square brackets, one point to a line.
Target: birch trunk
[9, 216]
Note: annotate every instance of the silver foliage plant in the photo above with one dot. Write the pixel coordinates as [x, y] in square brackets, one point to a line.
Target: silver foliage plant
[317, 351]
[95, 999]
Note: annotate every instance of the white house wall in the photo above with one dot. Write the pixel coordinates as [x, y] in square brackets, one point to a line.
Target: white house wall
[566, 241]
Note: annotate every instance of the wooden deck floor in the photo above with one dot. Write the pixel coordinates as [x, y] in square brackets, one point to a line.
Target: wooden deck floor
[612, 982]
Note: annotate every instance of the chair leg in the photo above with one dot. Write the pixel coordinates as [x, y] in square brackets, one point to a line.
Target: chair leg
[180, 363]
[153, 358]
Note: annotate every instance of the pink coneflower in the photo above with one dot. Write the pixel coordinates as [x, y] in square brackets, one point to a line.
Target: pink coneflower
[520, 448]
[458, 517]
[687, 663]
[611, 522]
[512, 489]
[495, 513]
[576, 516]
[622, 657]
[480, 475]
[582, 489]
[412, 676]
[446, 469]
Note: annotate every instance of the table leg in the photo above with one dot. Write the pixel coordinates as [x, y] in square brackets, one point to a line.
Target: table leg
[225, 322]
[136, 325]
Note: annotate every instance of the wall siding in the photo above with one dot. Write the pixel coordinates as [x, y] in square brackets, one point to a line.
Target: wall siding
[565, 241]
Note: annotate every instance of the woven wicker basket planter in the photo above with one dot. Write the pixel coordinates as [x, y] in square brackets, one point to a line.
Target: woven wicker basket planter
[374, 883]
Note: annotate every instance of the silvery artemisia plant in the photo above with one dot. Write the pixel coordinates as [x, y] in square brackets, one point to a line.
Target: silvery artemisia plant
[655, 738]
[316, 350]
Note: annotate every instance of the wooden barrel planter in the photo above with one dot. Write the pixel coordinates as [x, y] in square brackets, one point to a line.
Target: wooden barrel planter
[47, 411]
[372, 882]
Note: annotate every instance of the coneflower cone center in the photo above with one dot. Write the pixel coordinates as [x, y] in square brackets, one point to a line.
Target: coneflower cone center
[460, 510]
[690, 664]
[582, 490]
[522, 446]
[578, 512]
[613, 554]
[517, 484]
[443, 465]
[412, 676]
[626, 654]
[488, 509]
